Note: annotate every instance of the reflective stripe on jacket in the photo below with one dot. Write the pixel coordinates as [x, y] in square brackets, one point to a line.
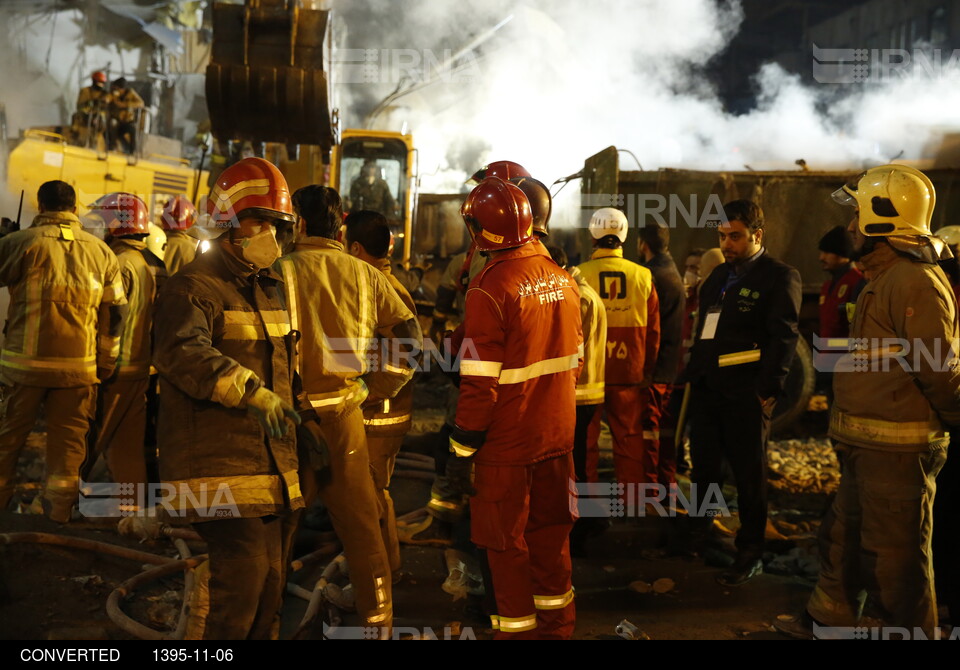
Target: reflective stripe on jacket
[521, 357]
[392, 416]
[346, 311]
[593, 319]
[903, 383]
[220, 333]
[63, 282]
[141, 273]
[633, 315]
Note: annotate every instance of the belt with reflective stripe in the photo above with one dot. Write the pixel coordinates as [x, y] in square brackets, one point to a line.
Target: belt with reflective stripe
[461, 449]
[738, 358]
[387, 421]
[20, 362]
[318, 400]
[539, 369]
[891, 432]
[513, 624]
[553, 602]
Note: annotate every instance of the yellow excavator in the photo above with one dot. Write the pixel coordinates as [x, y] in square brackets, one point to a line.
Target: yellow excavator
[268, 91]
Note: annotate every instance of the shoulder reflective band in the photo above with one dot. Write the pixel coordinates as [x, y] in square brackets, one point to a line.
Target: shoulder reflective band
[739, 358]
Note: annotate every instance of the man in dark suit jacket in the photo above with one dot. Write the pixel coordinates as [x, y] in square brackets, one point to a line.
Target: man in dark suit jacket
[745, 342]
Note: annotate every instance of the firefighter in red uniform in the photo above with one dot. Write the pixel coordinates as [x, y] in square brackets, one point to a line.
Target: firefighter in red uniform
[522, 342]
[845, 283]
[633, 339]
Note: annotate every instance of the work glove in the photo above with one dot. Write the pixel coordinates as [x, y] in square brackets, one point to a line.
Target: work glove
[270, 410]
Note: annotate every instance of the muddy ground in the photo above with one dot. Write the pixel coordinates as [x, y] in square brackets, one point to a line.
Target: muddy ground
[630, 573]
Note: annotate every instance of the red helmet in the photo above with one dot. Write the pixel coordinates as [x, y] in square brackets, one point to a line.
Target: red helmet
[250, 187]
[497, 214]
[503, 169]
[178, 214]
[99, 77]
[541, 203]
[122, 214]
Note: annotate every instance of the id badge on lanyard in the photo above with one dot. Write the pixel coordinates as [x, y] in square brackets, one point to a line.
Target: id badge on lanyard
[710, 322]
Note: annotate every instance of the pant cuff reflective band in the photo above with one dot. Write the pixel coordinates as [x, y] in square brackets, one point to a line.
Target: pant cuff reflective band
[494, 622]
[651, 435]
[738, 358]
[379, 618]
[516, 624]
[443, 504]
[553, 602]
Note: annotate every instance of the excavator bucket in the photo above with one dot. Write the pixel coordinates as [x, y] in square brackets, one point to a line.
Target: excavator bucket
[266, 80]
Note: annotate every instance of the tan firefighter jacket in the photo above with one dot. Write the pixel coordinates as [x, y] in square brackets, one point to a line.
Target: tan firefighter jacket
[901, 383]
[593, 318]
[142, 274]
[64, 320]
[347, 312]
[180, 249]
[220, 332]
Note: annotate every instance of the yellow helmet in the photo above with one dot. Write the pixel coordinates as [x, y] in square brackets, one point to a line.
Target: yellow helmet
[893, 200]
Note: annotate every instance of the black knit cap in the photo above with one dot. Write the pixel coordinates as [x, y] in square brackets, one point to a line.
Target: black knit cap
[836, 242]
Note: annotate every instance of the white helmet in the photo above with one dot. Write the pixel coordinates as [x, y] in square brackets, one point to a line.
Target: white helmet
[609, 221]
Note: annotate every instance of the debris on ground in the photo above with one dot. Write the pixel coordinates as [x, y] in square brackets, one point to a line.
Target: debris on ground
[804, 466]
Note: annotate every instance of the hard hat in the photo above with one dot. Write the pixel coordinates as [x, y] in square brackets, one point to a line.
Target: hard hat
[503, 169]
[122, 214]
[178, 214]
[497, 214]
[156, 240]
[250, 187]
[892, 199]
[609, 221]
[541, 203]
[99, 77]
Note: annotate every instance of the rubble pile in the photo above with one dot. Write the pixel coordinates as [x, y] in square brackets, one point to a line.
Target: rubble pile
[804, 466]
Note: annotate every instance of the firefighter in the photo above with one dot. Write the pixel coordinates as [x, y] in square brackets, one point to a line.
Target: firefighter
[447, 504]
[844, 286]
[348, 312]
[89, 121]
[523, 325]
[371, 191]
[633, 337]
[179, 215]
[593, 320]
[894, 394]
[126, 108]
[122, 419]
[745, 341]
[368, 238]
[224, 350]
[62, 339]
[660, 456]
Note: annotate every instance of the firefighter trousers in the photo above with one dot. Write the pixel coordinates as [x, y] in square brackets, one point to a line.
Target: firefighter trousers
[347, 490]
[68, 413]
[121, 429]
[876, 540]
[383, 451]
[239, 591]
[522, 516]
[635, 447]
